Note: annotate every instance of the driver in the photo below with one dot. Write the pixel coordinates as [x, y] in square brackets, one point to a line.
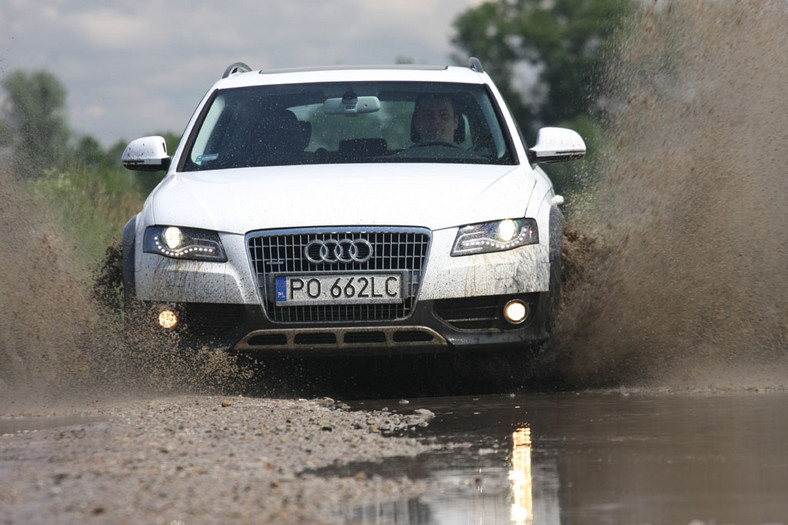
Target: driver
[434, 119]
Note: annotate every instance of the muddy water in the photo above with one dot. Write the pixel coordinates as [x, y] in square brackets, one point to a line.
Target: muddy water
[597, 458]
[32, 424]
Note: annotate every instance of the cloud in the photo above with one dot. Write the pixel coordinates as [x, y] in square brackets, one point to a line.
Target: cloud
[134, 67]
[110, 30]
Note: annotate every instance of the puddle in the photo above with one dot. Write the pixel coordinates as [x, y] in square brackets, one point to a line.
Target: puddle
[592, 458]
[32, 424]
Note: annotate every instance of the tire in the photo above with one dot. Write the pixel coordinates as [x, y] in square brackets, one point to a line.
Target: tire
[129, 287]
[556, 247]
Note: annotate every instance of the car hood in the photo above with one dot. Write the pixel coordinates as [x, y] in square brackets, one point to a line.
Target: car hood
[428, 195]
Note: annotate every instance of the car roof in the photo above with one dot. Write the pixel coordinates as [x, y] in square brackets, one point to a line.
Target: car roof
[239, 75]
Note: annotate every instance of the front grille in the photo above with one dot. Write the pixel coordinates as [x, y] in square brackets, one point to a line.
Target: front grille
[342, 337]
[284, 252]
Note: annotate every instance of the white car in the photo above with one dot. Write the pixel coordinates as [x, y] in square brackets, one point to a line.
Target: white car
[350, 209]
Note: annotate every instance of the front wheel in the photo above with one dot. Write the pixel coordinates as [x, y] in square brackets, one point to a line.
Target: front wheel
[556, 247]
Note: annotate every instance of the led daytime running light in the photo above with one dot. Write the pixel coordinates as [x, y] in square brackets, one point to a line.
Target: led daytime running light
[182, 252]
[184, 243]
[495, 236]
[472, 243]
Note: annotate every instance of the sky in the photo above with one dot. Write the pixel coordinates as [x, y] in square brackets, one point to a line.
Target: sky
[135, 68]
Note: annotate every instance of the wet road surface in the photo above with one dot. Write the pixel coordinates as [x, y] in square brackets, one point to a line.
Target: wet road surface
[596, 458]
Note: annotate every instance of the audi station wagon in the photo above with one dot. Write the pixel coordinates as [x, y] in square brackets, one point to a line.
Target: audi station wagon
[350, 210]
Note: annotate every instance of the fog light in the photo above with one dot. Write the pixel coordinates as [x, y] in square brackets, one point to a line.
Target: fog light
[515, 311]
[168, 319]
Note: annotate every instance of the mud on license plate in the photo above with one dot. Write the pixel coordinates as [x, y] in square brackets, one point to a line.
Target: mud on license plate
[297, 290]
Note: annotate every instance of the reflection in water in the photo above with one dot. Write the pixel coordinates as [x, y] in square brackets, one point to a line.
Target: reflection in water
[594, 458]
[520, 476]
[495, 486]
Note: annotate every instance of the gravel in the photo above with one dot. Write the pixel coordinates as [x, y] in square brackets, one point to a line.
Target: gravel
[206, 459]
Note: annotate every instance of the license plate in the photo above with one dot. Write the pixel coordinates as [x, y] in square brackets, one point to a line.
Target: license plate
[338, 289]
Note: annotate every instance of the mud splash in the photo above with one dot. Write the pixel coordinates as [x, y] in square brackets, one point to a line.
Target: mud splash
[688, 282]
[63, 345]
[43, 316]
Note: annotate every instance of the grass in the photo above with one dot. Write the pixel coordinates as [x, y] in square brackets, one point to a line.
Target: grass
[91, 205]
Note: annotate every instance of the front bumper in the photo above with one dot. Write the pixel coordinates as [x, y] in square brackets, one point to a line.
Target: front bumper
[444, 325]
[453, 303]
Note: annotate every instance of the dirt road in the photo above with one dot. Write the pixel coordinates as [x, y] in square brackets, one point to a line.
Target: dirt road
[202, 459]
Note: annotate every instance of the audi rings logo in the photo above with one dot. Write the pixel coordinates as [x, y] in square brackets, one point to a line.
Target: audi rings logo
[332, 251]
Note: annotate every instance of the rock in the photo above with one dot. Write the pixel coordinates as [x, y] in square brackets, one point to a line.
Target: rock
[424, 414]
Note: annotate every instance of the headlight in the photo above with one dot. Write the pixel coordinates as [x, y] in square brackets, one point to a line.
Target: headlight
[495, 236]
[184, 243]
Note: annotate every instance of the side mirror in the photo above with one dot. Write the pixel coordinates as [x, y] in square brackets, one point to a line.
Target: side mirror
[146, 154]
[557, 145]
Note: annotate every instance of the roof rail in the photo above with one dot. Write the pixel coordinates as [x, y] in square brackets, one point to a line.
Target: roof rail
[238, 67]
[476, 65]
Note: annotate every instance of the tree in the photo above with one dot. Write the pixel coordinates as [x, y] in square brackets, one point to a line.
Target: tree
[559, 42]
[34, 114]
[545, 56]
[89, 154]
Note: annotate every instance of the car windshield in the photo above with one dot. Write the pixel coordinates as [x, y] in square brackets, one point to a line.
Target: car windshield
[326, 123]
